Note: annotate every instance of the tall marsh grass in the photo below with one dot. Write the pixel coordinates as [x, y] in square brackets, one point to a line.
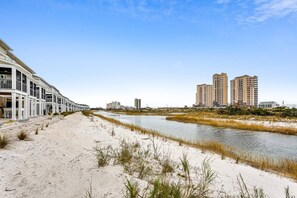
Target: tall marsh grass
[285, 168]
[4, 141]
[232, 124]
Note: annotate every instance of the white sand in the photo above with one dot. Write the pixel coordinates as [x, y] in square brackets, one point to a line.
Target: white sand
[60, 162]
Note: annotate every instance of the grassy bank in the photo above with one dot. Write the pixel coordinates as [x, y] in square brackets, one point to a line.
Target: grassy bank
[224, 122]
[286, 168]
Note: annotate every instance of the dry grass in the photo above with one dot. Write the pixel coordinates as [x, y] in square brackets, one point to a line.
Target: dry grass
[87, 112]
[286, 168]
[9, 122]
[4, 141]
[232, 124]
[22, 135]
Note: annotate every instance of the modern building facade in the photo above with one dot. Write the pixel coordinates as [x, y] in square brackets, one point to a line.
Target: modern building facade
[137, 103]
[220, 90]
[244, 91]
[204, 96]
[113, 105]
[22, 93]
[268, 104]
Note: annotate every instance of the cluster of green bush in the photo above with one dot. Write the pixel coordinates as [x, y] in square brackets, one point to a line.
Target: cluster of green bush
[289, 113]
[279, 111]
[245, 111]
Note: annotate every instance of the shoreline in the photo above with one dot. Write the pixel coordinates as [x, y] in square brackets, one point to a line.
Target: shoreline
[283, 127]
[283, 167]
[61, 161]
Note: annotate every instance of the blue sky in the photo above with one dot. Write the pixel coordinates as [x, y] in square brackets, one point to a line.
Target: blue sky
[96, 51]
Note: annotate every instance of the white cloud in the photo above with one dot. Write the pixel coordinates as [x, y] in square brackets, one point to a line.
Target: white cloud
[267, 9]
[223, 1]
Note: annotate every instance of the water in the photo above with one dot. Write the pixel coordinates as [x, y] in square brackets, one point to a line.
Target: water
[259, 143]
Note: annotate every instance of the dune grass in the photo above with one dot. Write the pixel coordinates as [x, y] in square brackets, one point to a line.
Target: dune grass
[22, 135]
[4, 141]
[67, 113]
[232, 124]
[287, 168]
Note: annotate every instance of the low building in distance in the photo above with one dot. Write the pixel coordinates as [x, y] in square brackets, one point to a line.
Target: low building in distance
[204, 96]
[244, 91]
[268, 104]
[220, 90]
[113, 105]
[137, 103]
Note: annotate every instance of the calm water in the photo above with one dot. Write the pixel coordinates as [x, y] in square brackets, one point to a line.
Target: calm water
[259, 143]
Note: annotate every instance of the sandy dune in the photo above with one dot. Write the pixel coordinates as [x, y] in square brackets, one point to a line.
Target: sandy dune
[60, 162]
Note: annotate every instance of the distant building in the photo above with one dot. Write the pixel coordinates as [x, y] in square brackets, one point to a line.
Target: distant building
[113, 105]
[244, 91]
[268, 104]
[137, 103]
[220, 89]
[204, 96]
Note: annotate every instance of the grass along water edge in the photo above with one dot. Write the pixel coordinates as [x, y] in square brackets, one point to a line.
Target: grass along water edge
[287, 167]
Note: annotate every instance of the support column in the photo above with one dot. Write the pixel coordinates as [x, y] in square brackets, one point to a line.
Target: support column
[20, 113]
[13, 77]
[31, 107]
[35, 107]
[25, 107]
[53, 108]
[13, 106]
[40, 97]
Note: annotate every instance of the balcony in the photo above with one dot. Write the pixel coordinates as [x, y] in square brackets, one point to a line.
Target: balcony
[5, 84]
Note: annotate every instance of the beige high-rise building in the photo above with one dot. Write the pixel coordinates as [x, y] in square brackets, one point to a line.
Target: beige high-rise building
[204, 95]
[244, 91]
[220, 89]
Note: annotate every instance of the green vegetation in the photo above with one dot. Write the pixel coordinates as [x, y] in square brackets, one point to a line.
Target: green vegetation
[244, 111]
[103, 156]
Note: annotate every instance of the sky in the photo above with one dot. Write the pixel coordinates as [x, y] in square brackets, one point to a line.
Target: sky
[98, 51]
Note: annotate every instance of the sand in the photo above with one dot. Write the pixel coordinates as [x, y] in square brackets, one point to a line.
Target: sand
[60, 162]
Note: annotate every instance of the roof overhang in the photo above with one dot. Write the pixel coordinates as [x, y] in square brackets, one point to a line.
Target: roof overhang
[4, 45]
[16, 59]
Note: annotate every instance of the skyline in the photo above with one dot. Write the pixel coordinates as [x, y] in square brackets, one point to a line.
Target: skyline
[157, 51]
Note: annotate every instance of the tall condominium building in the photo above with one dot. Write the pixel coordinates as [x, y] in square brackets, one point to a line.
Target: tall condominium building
[137, 103]
[204, 95]
[244, 91]
[220, 89]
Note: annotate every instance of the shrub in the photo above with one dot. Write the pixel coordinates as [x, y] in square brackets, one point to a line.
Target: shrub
[67, 113]
[185, 166]
[103, 156]
[165, 189]
[4, 141]
[125, 154]
[87, 113]
[167, 167]
[22, 135]
[132, 190]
